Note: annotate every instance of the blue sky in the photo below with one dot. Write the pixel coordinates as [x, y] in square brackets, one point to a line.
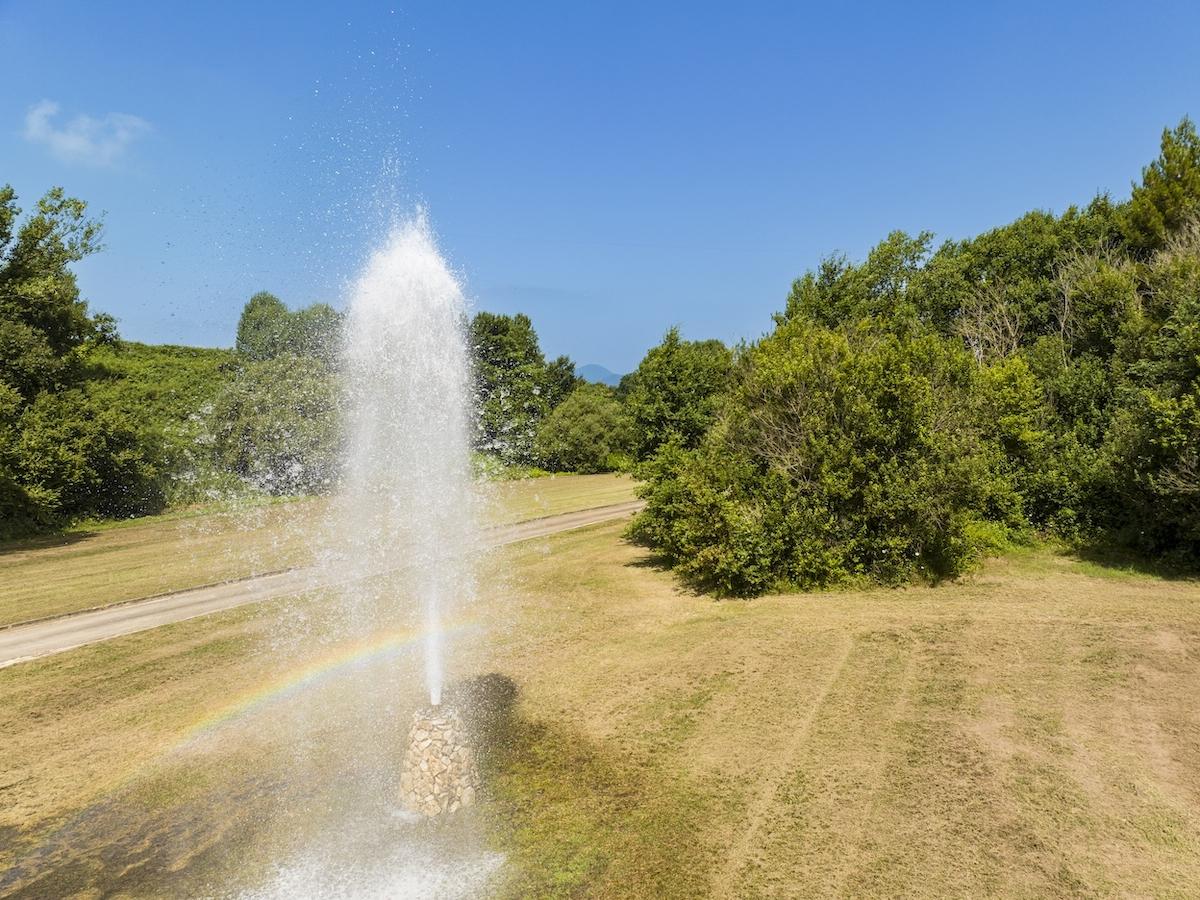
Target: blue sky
[610, 170]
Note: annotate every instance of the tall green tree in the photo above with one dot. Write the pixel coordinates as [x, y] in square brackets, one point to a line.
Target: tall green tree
[842, 292]
[1169, 194]
[515, 386]
[267, 329]
[263, 327]
[43, 319]
[277, 425]
[673, 394]
[61, 456]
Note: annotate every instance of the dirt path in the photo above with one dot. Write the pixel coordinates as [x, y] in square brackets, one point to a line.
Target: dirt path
[31, 640]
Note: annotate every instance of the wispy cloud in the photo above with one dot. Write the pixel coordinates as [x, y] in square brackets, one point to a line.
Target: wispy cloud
[83, 139]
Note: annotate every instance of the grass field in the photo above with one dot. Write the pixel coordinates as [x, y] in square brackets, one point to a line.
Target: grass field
[155, 555]
[1033, 731]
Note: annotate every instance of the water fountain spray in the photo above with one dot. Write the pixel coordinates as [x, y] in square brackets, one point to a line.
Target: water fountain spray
[408, 481]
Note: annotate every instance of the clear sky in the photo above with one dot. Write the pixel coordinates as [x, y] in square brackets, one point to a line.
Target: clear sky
[611, 169]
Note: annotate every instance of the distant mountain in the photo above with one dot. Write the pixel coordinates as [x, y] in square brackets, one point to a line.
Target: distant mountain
[593, 372]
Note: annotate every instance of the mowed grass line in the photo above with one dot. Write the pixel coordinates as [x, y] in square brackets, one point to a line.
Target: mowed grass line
[1033, 731]
[161, 554]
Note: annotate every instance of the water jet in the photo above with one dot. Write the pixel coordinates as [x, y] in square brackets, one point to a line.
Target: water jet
[408, 492]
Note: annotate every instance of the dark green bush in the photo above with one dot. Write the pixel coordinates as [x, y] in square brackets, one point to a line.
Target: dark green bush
[588, 432]
[85, 459]
[839, 456]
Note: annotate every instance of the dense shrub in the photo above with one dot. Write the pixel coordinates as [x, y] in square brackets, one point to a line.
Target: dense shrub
[277, 425]
[81, 458]
[588, 432]
[839, 455]
[1153, 443]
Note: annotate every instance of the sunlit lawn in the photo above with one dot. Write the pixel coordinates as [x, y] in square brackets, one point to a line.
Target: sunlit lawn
[155, 555]
[1033, 731]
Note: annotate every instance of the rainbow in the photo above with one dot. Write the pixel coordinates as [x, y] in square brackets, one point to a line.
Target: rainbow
[337, 662]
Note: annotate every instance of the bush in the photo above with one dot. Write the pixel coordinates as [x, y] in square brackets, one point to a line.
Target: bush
[1152, 451]
[79, 458]
[277, 425]
[588, 432]
[839, 456]
[675, 391]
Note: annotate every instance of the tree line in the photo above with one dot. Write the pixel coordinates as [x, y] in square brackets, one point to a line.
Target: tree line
[907, 415]
[94, 427]
[915, 411]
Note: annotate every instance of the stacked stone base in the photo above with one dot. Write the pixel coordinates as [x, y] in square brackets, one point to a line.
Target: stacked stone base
[440, 774]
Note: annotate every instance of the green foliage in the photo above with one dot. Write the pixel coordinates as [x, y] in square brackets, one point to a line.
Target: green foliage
[1000, 289]
[1169, 195]
[1060, 482]
[261, 331]
[267, 329]
[588, 432]
[880, 287]
[1152, 452]
[61, 455]
[674, 393]
[43, 321]
[840, 455]
[86, 459]
[1077, 413]
[169, 391]
[277, 425]
[516, 388]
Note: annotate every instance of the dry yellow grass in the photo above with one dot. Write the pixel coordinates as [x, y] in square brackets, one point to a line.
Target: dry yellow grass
[159, 554]
[515, 501]
[1033, 731]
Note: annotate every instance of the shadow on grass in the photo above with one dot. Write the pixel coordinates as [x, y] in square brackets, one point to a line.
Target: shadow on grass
[574, 817]
[1118, 560]
[570, 814]
[45, 541]
[129, 847]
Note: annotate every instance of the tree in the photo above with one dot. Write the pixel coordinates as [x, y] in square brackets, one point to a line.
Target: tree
[263, 327]
[841, 292]
[267, 329]
[315, 331]
[559, 381]
[277, 425]
[588, 432]
[61, 455]
[516, 388]
[673, 393]
[43, 320]
[1169, 195]
[1006, 280]
[1152, 447]
[839, 455]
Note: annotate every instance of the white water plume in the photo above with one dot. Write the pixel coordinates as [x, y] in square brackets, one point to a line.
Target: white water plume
[407, 491]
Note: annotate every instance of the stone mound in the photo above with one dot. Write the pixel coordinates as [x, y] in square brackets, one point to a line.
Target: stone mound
[440, 774]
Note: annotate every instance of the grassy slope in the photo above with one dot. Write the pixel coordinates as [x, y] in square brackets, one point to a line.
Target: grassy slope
[1032, 732]
[144, 557]
[163, 382]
